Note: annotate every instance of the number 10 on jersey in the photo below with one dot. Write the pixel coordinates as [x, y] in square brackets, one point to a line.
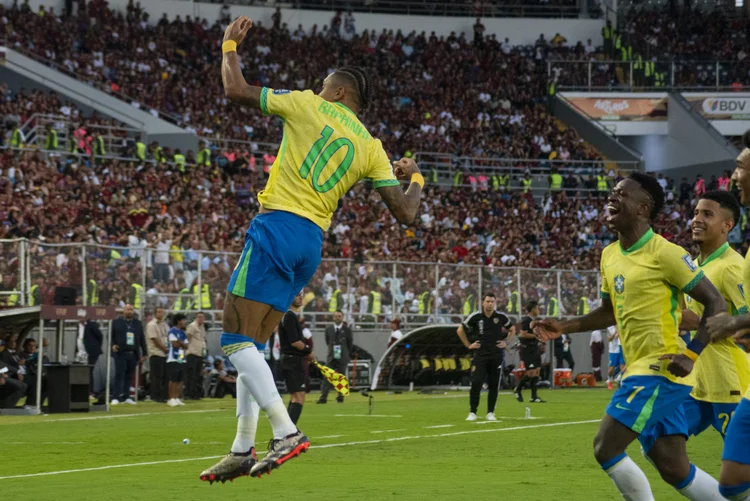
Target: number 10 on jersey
[319, 156]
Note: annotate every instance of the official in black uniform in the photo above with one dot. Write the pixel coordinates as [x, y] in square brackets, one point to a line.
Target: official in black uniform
[294, 351]
[491, 332]
[531, 353]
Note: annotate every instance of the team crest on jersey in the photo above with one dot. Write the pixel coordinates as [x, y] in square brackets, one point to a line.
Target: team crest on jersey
[281, 91]
[496, 320]
[689, 262]
[741, 287]
[619, 284]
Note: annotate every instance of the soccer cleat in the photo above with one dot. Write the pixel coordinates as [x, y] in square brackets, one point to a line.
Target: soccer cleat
[230, 467]
[491, 416]
[114, 402]
[518, 394]
[609, 384]
[472, 417]
[279, 452]
[172, 402]
[537, 400]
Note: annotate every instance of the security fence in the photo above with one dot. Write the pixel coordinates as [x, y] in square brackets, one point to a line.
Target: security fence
[370, 293]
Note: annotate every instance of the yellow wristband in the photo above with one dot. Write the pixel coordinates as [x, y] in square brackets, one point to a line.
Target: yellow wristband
[417, 178]
[690, 354]
[229, 46]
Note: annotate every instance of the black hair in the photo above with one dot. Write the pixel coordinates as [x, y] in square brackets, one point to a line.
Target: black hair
[339, 311]
[746, 139]
[28, 341]
[650, 185]
[488, 294]
[531, 305]
[726, 200]
[176, 319]
[218, 362]
[362, 83]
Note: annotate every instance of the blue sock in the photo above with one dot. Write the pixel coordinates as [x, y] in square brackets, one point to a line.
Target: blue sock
[736, 492]
[609, 464]
[689, 478]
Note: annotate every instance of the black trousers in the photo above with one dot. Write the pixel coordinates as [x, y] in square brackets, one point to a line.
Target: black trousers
[125, 364]
[485, 368]
[193, 376]
[340, 367]
[564, 356]
[11, 392]
[158, 378]
[92, 363]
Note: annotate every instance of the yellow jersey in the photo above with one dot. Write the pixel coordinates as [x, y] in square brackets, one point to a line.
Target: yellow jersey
[645, 284]
[746, 277]
[722, 373]
[324, 152]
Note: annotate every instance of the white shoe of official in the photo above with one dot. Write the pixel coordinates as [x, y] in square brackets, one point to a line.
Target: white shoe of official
[491, 416]
[114, 402]
[172, 402]
[472, 417]
[130, 401]
[179, 402]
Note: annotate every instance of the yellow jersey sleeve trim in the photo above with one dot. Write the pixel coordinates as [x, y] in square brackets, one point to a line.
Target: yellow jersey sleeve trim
[264, 101]
[385, 182]
[604, 295]
[693, 282]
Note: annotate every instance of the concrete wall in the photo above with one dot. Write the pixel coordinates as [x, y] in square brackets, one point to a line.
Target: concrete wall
[518, 30]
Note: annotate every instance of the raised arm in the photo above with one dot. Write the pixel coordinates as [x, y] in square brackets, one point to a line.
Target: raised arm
[404, 204]
[236, 88]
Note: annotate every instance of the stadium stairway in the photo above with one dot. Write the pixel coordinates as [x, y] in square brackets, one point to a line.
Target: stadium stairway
[21, 70]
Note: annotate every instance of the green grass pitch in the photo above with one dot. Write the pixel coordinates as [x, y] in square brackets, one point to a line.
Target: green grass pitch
[414, 447]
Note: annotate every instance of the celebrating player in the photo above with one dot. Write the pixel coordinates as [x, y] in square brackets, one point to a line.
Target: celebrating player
[734, 481]
[722, 373]
[325, 151]
[490, 329]
[643, 278]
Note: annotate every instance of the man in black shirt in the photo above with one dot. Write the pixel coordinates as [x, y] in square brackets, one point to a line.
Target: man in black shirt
[293, 354]
[531, 354]
[491, 332]
[128, 349]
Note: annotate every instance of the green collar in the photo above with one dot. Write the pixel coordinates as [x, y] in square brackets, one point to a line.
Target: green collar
[345, 107]
[640, 243]
[718, 252]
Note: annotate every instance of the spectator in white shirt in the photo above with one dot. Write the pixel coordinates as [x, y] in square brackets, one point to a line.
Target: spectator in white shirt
[396, 333]
[161, 258]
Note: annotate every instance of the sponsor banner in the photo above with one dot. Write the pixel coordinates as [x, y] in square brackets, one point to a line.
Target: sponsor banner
[622, 108]
[722, 107]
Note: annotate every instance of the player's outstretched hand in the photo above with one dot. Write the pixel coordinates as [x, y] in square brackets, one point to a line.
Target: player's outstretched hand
[502, 344]
[404, 168]
[238, 29]
[680, 365]
[546, 329]
[720, 326]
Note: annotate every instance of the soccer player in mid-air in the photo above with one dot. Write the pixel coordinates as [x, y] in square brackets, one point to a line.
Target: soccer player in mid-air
[722, 372]
[734, 481]
[643, 279]
[324, 152]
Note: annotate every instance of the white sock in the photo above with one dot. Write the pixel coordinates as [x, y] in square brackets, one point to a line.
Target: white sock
[255, 373]
[247, 420]
[702, 487]
[630, 481]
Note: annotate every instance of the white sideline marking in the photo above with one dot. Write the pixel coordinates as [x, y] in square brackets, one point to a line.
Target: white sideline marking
[387, 431]
[46, 443]
[502, 418]
[367, 415]
[116, 416]
[325, 446]
[439, 426]
[331, 436]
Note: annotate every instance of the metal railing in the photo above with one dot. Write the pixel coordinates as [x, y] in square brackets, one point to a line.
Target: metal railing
[427, 7]
[418, 293]
[625, 75]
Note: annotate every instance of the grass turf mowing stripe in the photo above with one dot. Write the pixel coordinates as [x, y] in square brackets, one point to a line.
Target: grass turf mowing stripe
[325, 446]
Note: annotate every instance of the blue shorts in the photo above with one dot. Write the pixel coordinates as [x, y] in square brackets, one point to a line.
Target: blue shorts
[616, 359]
[691, 420]
[736, 446]
[643, 401]
[282, 252]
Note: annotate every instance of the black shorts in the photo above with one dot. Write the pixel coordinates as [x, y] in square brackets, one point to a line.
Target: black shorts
[174, 372]
[293, 372]
[532, 359]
